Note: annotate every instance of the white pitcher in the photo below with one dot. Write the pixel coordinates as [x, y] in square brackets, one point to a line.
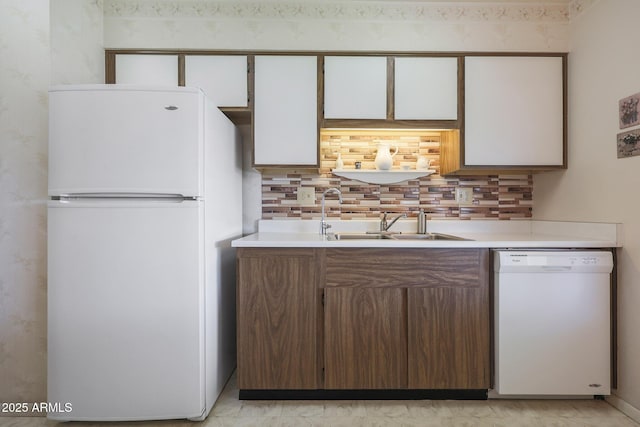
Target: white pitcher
[384, 158]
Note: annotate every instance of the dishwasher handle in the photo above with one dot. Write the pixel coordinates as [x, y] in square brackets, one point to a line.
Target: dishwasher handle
[556, 268]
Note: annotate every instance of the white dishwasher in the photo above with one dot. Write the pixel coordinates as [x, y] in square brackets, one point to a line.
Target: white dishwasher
[552, 322]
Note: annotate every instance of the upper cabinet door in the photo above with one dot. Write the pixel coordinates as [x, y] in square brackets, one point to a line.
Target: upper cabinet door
[355, 87]
[159, 70]
[426, 88]
[223, 78]
[514, 111]
[286, 111]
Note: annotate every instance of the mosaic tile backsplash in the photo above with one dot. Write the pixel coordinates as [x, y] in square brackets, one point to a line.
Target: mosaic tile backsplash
[494, 196]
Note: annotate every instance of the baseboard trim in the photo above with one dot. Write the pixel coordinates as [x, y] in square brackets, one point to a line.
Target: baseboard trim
[624, 407]
[362, 394]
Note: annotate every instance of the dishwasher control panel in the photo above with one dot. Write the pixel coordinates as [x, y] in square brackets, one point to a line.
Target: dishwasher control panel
[563, 260]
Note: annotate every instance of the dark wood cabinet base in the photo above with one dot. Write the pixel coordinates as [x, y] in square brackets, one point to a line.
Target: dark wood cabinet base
[363, 395]
[363, 323]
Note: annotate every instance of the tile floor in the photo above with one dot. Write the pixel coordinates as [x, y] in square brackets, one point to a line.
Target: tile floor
[229, 411]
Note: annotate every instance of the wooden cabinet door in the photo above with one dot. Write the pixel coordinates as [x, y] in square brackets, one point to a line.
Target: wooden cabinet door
[445, 340]
[448, 336]
[285, 123]
[277, 314]
[365, 338]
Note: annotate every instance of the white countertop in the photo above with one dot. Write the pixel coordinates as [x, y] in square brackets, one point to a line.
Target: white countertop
[481, 234]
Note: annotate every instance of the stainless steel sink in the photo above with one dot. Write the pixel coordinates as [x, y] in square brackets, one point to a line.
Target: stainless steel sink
[358, 236]
[428, 236]
[393, 236]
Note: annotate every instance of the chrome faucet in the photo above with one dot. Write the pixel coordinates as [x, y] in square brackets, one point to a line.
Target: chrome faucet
[323, 224]
[384, 226]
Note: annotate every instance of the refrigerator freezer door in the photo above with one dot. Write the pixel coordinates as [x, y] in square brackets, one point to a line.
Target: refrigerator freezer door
[126, 310]
[125, 140]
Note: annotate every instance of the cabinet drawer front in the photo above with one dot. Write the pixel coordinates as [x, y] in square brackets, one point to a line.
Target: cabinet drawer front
[379, 267]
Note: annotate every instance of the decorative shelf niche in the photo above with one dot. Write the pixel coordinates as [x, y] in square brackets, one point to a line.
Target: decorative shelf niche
[382, 177]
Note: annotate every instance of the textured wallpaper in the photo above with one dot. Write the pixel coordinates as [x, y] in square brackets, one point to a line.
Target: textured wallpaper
[77, 53]
[24, 80]
[339, 25]
[25, 75]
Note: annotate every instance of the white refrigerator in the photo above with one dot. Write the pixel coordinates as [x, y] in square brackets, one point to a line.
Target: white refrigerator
[145, 198]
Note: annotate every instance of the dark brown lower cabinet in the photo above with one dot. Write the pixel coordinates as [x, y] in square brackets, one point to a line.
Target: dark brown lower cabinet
[391, 319]
[365, 339]
[277, 309]
[428, 307]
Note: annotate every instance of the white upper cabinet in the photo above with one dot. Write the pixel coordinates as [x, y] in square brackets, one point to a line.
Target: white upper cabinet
[159, 70]
[355, 87]
[286, 111]
[426, 88]
[514, 111]
[222, 77]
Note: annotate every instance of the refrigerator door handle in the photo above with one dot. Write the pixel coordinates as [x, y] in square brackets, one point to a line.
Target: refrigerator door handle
[113, 197]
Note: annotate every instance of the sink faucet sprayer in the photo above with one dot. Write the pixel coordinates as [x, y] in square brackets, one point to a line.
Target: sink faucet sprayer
[323, 224]
[383, 222]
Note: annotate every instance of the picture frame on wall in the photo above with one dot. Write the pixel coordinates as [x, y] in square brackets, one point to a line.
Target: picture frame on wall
[629, 112]
[628, 143]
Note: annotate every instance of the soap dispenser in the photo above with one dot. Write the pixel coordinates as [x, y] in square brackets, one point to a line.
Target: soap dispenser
[422, 222]
[339, 162]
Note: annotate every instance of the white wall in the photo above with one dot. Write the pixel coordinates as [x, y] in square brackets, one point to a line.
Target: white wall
[25, 75]
[603, 68]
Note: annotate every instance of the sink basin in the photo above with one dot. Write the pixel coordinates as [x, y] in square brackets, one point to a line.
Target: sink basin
[359, 236]
[428, 236]
[393, 236]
